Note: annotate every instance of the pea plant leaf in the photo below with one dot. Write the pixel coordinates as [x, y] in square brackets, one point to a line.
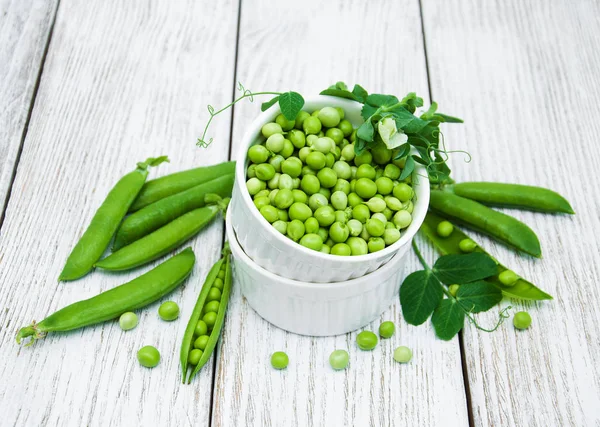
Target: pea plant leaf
[403, 151]
[366, 131]
[479, 296]
[368, 111]
[409, 167]
[339, 93]
[290, 103]
[420, 294]
[464, 268]
[448, 119]
[448, 319]
[379, 100]
[266, 105]
[360, 93]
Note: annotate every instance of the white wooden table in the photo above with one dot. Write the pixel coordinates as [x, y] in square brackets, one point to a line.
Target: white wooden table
[88, 88]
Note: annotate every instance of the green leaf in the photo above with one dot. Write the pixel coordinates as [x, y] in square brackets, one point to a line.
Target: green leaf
[359, 146]
[448, 319]
[379, 100]
[360, 93]
[464, 268]
[266, 105]
[479, 296]
[420, 294]
[366, 131]
[290, 103]
[341, 86]
[402, 151]
[448, 119]
[409, 167]
[430, 112]
[339, 93]
[367, 111]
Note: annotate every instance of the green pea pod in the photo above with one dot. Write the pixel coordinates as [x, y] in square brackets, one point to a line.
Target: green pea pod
[522, 289]
[105, 222]
[174, 183]
[480, 218]
[188, 337]
[154, 216]
[161, 241]
[108, 305]
[513, 196]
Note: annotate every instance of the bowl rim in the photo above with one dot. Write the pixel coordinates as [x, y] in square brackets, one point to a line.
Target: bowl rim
[422, 196]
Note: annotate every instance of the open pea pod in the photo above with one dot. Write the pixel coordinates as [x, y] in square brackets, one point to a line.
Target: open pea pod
[522, 289]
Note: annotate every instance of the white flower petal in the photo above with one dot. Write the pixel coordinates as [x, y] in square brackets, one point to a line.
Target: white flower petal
[396, 140]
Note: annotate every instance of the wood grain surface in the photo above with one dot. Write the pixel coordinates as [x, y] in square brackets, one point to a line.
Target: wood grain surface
[25, 27]
[524, 76]
[320, 44]
[122, 81]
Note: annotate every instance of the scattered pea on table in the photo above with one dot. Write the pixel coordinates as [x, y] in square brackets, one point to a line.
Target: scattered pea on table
[522, 320]
[168, 311]
[148, 356]
[279, 360]
[366, 340]
[387, 329]
[128, 320]
[402, 354]
[339, 359]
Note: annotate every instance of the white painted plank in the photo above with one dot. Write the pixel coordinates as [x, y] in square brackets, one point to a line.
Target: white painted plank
[306, 47]
[24, 31]
[524, 76]
[122, 81]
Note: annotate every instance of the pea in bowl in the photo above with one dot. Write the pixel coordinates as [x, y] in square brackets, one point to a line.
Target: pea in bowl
[290, 237]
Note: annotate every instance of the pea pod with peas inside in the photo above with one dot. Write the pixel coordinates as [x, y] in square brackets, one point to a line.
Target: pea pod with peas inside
[174, 183]
[108, 305]
[163, 240]
[105, 222]
[204, 327]
[458, 242]
[154, 216]
[480, 218]
[513, 196]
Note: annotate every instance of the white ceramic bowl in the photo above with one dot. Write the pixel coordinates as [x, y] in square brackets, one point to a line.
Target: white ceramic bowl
[281, 255]
[317, 309]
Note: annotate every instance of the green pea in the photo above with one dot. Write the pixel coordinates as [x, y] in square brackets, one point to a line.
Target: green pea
[168, 310]
[381, 154]
[364, 234]
[338, 359]
[311, 225]
[273, 183]
[365, 188]
[323, 233]
[340, 110]
[354, 200]
[402, 219]
[384, 185]
[201, 328]
[218, 283]
[353, 170]
[286, 182]
[275, 143]
[388, 214]
[210, 319]
[194, 356]
[327, 177]
[339, 232]
[387, 329]
[355, 227]
[265, 171]
[391, 235]
[341, 249]
[522, 320]
[325, 192]
[346, 127]
[272, 195]
[508, 278]
[402, 354]
[269, 213]
[288, 149]
[376, 204]
[251, 171]
[366, 340]
[341, 185]
[365, 158]
[291, 166]
[342, 169]
[453, 289]
[467, 245]
[299, 196]
[258, 154]
[353, 136]
[214, 294]
[148, 356]
[380, 216]
[357, 245]
[316, 160]
[312, 241]
[300, 211]
[201, 342]
[311, 139]
[329, 160]
[348, 153]
[300, 117]
[392, 171]
[375, 227]
[212, 306]
[280, 360]
[254, 185]
[303, 154]
[285, 124]
[284, 199]
[365, 171]
[295, 229]
[276, 161]
[325, 249]
[361, 213]
[128, 320]
[445, 229]
[393, 203]
[339, 200]
[329, 116]
[336, 134]
[280, 226]
[316, 201]
[408, 206]
[271, 129]
[325, 215]
[311, 125]
[403, 192]
[324, 145]
[376, 244]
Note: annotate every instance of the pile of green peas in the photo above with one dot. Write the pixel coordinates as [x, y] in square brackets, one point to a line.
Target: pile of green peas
[307, 182]
[209, 316]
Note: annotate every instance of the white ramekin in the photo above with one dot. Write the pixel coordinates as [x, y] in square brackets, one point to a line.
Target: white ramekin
[316, 309]
[282, 256]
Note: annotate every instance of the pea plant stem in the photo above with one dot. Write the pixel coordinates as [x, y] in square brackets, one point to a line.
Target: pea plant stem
[426, 267]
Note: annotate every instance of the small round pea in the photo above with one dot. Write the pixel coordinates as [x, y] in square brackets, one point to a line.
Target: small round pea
[291, 166]
[316, 160]
[325, 192]
[288, 149]
[312, 241]
[265, 171]
[201, 328]
[300, 211]
[316, 201]
[329, 116]
[354, 200]
[346, 127]
[201, 342]
[403, 192]
[194, 356]
[355, 227]
[339, 359]
[393, 203]
[384, 185]
[271, 129]
[387, 329]
[168, 310]
[327, 177]
[391, 236]
[258, 154]
[339, 200]
[402, 219]
[210, 319]
[311, 225]
[310, 184]
[364, 158]
[329, 160]
[376, 204]
[324, 233]
[364, 234]
[212, 306]
[375, 227]
[148, 356]
[250, 172]
[214, 294]
[453, 289]
[284, 199]
[276, 161]
[254, 185]
[128, 320]
[300, 117]
[325, 215]
[348, 153]
[279, 360]
[339, 232]
[375, 244]
[303, 154]
[522, 320]
[286, 182]
[381, 154]
[273, 183]
[391, 171]
[295, 229]
[259, 202]
[402, 354]
[508, 278]
[335, 134]
[445, 229]
[325, 249]
[218, 283]
[366, 171]
[342, 169]
[341, 249]
[272, 195]
[366, 340]
[280, 226]
[361, 213]
[299, 196]
[324, 145]
[358, 246]
[365, 188]
[269, 213]
[275, 143]
[467, 245]
[285, 124]
[311, 125]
